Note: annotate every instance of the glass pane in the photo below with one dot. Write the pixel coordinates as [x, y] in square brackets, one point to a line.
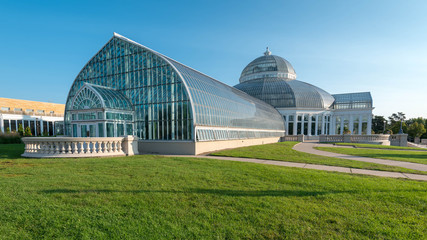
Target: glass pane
[110, 130]
[101, 129]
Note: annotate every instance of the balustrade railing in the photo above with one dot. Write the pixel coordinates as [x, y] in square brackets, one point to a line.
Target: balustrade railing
[295, 138]
[347, 138]
[73, 147]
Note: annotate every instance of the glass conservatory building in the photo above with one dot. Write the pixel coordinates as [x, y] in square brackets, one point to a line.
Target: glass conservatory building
[129, 89]
[306, 109]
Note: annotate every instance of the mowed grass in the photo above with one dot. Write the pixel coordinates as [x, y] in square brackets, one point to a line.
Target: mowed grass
[398, 155]
[155, 197]
[364, 145]
[283, 152]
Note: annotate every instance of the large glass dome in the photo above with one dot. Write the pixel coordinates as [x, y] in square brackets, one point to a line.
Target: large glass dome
[272, 79]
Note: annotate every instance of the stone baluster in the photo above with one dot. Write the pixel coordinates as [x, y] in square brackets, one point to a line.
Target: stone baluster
[110, 146]
[92, 147]
[114, 146]
[85, 147]
[75, 148]
[63, 147]
[119, 146]
[56, 147]
[69, 148]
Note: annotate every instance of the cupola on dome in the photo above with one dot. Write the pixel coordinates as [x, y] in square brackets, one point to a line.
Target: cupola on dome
[273, 79]
[268, 66]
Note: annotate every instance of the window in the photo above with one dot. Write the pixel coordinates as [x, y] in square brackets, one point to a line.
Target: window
[5, 108]
[29, 110]
[18, 109]
[52, 112]
[40, 111]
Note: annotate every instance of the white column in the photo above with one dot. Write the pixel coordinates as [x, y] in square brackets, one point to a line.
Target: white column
[342, 125]
[287, 125]
[104, 125]
[302, 124]
[360, 125]
[1, 123]
[309, 125]
[369, 129]
[351, 124]
[35, 127]
[332, 128]
[322, 131]
[295, 124]
[316, 127]
[41, 127]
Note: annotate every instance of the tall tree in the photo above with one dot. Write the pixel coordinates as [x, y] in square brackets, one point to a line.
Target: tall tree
[379, 124]
[416, 129]
[396, 120]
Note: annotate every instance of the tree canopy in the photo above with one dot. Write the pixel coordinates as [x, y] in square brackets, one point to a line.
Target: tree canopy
[416, 129]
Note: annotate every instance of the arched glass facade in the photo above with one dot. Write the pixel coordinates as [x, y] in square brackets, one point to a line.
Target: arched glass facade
[86, 99]
[171, 101]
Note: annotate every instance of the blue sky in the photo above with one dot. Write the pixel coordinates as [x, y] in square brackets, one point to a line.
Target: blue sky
[340, 46]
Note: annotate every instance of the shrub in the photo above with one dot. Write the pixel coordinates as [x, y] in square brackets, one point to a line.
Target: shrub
[8, 138]
[20, 130]
[27, 132]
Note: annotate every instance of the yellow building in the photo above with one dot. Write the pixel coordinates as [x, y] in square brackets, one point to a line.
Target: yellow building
[43, 118]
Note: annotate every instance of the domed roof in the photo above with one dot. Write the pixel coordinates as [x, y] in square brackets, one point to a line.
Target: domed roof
[272, 79]
[268, 66]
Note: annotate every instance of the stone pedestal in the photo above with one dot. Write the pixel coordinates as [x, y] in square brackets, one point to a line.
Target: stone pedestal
[130, 145]
[400, 140]
[417, 140]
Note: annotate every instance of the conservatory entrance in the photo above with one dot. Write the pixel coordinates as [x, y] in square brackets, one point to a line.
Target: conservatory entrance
[98, 111]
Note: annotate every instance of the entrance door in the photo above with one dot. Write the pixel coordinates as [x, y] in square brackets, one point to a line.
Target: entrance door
[87, 130]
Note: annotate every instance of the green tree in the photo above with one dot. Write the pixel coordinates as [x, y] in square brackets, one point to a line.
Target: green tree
[419, 120]
[395, 127]
[7, 130]
[397, 119]
[379, 124]
[416, 129]
[28, 132]
[20, 130]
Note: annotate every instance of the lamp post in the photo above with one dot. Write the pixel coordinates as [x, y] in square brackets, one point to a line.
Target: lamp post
[401, 130]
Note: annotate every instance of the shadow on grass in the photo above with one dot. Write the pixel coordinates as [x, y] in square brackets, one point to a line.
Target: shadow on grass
[11, 151]
[234, 193]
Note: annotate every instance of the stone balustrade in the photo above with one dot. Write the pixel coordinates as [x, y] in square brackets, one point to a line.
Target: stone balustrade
[62, 147]
[294, 138]
[347, 138]
[331, 138]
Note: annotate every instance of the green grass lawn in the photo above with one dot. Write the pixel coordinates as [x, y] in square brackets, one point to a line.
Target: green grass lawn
[283, 152]
[155, 197]
[398, 155]
[364, 145]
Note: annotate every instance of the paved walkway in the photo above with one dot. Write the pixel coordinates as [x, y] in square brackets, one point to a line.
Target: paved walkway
[308, 147]
[319, 167]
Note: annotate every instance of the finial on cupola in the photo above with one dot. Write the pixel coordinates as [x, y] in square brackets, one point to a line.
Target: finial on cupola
[267, 52]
